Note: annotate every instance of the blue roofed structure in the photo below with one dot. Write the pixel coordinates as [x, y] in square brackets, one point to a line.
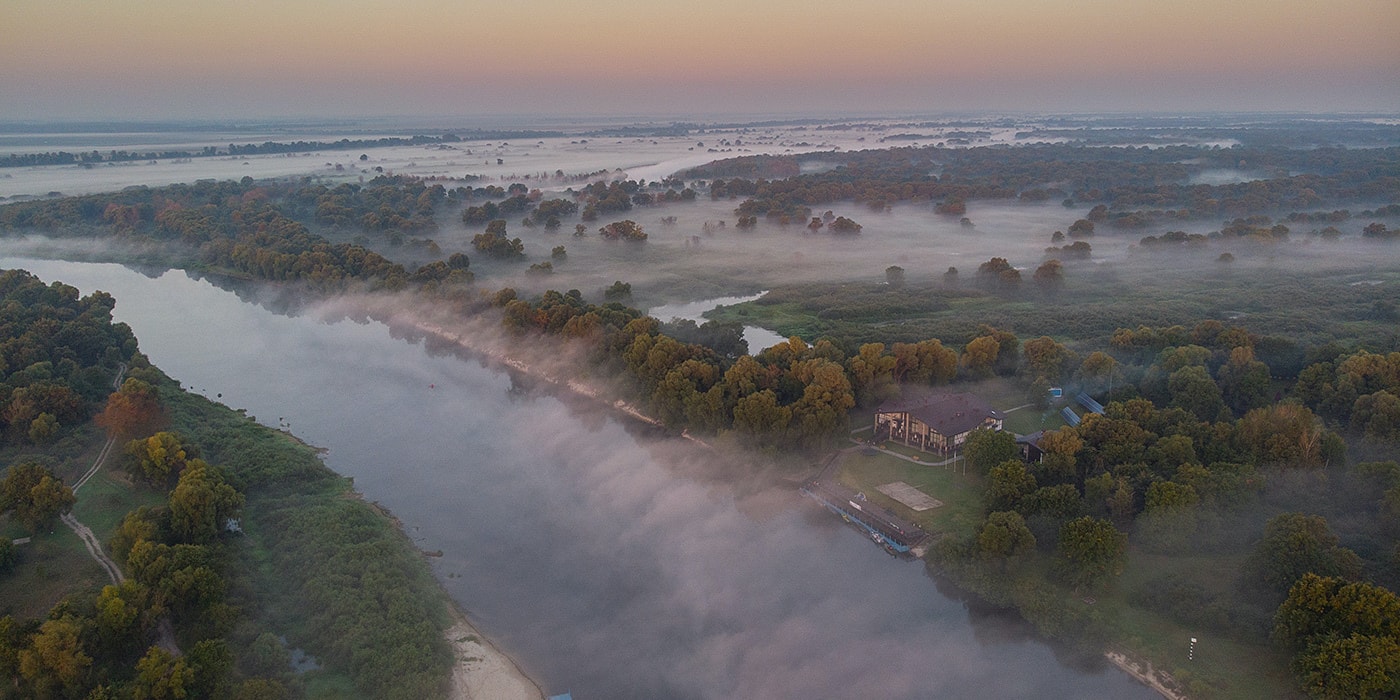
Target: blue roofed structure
[1089, 403]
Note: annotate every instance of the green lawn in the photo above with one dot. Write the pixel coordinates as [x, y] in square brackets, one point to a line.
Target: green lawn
[1224, 666]
[51, 565]
[961, 494]
[107, 497]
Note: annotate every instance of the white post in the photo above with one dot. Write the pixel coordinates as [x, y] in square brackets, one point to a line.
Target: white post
[1191, 651]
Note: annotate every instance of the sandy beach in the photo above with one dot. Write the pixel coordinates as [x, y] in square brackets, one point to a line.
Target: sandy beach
[1148, 676]
[483, 672]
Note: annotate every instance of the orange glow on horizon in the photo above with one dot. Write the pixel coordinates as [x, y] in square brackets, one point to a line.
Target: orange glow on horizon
[314, 47]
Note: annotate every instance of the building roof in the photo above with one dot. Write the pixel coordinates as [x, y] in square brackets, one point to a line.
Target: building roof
[948, 414]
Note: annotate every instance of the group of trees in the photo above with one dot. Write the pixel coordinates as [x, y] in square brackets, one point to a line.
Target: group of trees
[1124, 178]
[111, 644]
[1359, 390]
[58, 354]
[245, 227]
[392, 203]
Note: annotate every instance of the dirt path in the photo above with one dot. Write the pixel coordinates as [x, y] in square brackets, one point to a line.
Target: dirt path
[93, 547]
[165, 634]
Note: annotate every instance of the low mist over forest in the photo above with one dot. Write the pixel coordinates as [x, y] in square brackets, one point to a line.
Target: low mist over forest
[1191, 326]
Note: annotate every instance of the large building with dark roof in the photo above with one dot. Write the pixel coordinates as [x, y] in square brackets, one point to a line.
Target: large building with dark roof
[935, 423]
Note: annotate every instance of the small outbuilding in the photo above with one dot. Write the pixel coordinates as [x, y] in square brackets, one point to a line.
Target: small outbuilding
[935, 422]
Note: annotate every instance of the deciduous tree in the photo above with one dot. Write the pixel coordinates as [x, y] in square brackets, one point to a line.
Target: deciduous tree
[1091, 551]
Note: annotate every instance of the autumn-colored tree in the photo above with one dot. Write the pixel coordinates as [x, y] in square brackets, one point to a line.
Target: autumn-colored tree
[1282, 433]
[1047, 358]
[1346, 635]
[1059, 454]
[1050, 276]
[979, 356]
[131, 411]
[924, 362]
[625, 230]
[872, 374]
[55, 663]
[157, 458]
[161, 675]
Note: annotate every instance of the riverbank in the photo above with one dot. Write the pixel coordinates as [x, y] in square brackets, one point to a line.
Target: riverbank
[483, 346]
[1159, 681]
[480, 671]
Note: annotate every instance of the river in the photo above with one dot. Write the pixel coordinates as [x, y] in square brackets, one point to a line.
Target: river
[601, 558]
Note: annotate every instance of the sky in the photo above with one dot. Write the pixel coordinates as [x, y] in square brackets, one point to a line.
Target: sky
[79, 60]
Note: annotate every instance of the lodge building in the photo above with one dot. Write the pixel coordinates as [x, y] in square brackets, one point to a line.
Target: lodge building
[935, 423]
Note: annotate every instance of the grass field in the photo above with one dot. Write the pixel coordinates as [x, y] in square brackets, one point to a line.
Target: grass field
[108, 496]
[961, 494]
[1223, 667]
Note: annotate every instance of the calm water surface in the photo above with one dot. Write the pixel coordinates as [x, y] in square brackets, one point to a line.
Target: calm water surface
[593, 555]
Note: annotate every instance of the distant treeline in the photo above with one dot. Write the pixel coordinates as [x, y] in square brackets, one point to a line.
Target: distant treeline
[19, 160]
[1123, 180]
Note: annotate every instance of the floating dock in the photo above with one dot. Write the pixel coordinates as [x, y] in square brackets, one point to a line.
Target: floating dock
[898, 536]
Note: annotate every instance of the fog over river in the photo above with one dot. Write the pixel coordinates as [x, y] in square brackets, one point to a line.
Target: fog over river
[605, 560]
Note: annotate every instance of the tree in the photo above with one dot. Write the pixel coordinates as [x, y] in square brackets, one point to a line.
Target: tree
[161, 675]
[201, 503]
[1091, 551]
[985, 449]
[35, 496]
[625, 230]
[43, 429]
[845, 226]
[1244, 381]
[1050, 276]
[819, 415]
[1059, 450]
[1281, 433]
[872, 374]
[1008, 484]
[979, 356]
[1047, 358]
[924, 362]
[1295, 544]
[618, 290]
[894, 276]
[55, 661]
[157, 458]
[131, 411]
[1330, 606]
[1347, 636]
[1005, 534]
[1377, 416]
[1192, 389]
[759, 418]
[1356, 666]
